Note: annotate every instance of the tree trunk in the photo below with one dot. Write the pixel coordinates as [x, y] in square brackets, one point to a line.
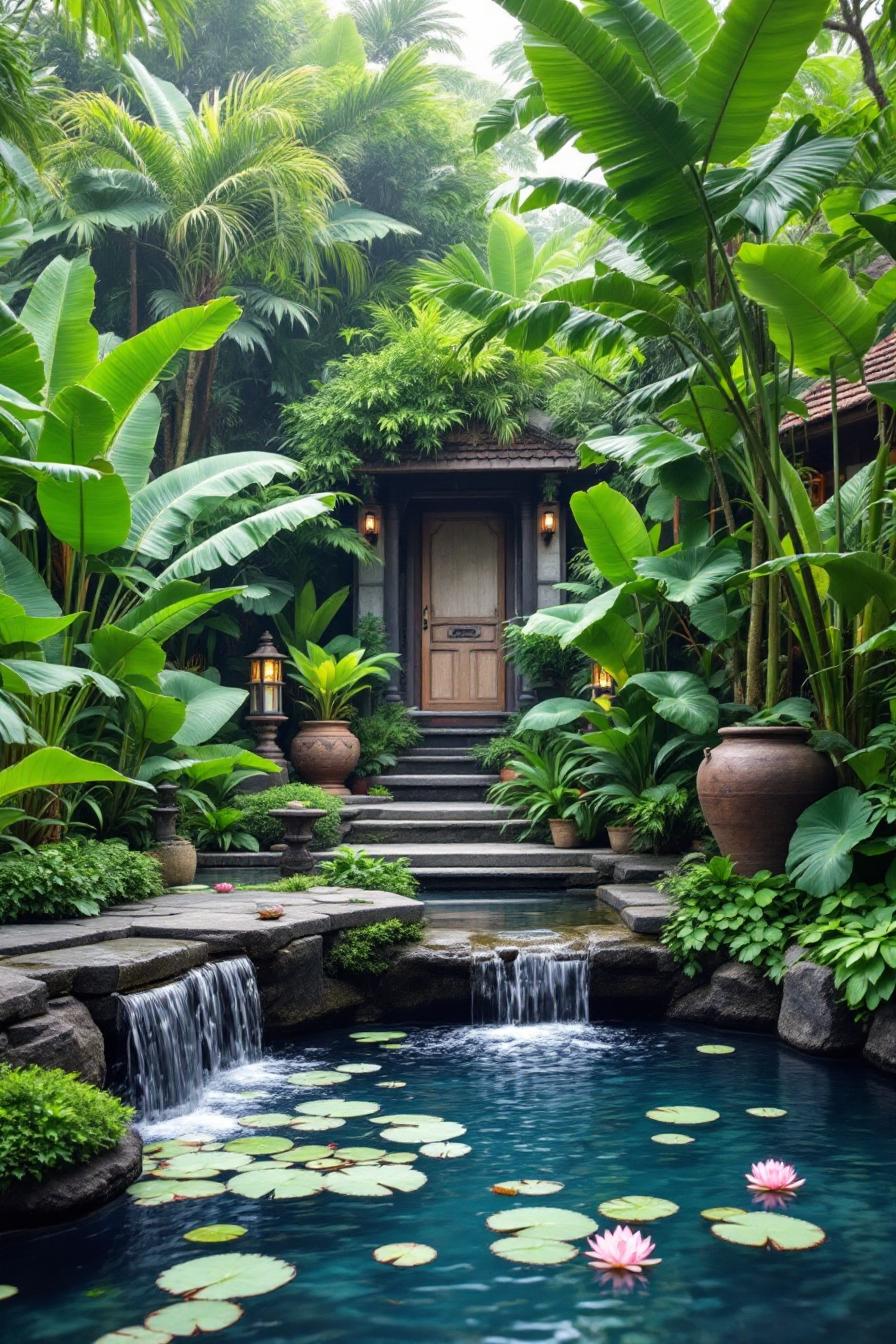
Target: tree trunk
[753, 691]
[194, 364]
[205, 401]
[133, 293]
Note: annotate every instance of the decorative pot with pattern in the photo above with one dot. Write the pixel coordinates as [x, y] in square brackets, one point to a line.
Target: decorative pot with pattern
[325, 752]
[753, 787]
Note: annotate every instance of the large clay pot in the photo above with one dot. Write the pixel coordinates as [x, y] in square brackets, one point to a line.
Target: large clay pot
[753, 787]
[325, 753]
[565, 834]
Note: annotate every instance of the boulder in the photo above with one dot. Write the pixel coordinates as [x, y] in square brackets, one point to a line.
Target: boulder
[291, 983]
[64, 1037]
[20, 996]
[736, 996]
[426, 982]
[812, 1016]
[630, 975]
[880, 1048]
[74, 1191]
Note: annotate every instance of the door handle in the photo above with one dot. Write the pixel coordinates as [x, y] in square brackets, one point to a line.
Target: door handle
[426, 618]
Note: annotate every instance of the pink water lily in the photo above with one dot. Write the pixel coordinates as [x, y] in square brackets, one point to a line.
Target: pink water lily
[772, 1175]
[223, 887]
[621, 1249]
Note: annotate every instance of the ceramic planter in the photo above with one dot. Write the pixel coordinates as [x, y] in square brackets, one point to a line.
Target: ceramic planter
[621, 838]
[565, 834]
[325, 752]
[360, 786]
[505, 774]
[177, 859]
[753, 787]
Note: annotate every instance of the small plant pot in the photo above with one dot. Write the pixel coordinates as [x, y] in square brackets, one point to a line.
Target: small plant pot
[621, 838]
[177, 859]
[505, 774]
[565, 834]
[360, 787]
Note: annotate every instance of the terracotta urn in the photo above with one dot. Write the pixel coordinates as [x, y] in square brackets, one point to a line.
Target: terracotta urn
[506, 773]
[621, 838]
[565, 834]
[324, 752]
[176, 856]
[753, 787]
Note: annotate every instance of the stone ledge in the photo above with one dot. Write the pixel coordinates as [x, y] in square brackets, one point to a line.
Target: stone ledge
[111, 967]
[72, 1193]
[64, 1037]
[20, 996]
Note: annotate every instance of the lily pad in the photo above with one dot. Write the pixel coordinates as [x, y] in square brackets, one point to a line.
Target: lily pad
[327, 1164]
[216, 1232]
[720, 1214]
[683, 1115]
[273, 1182]
[7, 1290]
[358, 1068]
[168, 1148]
[393, 1045]
[266, 1120]
[450, 1150]
[421, 1134]
[533, 1250]
[543, 1223]
[317, 1078]
[715, 1049]
[359, 1154]
[403, 1159]
[671, 1140]
[315, 1124]
[155, 1191]
[189, 1165]
[374, 1181]
[338, 1110]
[262, 1146]
[377, 1037]
[194, 1318]
[409, 1119]
[135, 1334]
[637, 1208]
[538, 1189]
[405, 1254]
[778, 1231]
[766, 1112]
[216, 1278]
[307, 1152]
[395, 1084]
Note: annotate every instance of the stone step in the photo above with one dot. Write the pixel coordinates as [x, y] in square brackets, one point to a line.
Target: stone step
[485, 856]
[643, 909]
[388, 830]
[473, 880]
[437, 788]
[643, 868]
[394, 810]
[427, 763]
[456, 739]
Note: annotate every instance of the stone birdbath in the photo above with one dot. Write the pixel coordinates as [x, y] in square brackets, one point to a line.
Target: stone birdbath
[298, 822]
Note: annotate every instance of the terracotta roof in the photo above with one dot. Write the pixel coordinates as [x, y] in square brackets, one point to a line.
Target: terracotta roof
[880, 366]
[478, 450]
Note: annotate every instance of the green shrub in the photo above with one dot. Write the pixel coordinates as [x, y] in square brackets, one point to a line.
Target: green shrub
[269, 831]
[380, 791]
[295, 882]
[384, 734]
[365, 951]
[49, 1119]
[666, 818]
[544, 663]
[750, 919]
[74, 877]
[354, 868]
[855, 934]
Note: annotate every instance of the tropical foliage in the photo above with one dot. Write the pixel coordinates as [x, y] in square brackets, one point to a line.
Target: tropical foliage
[49, 1120]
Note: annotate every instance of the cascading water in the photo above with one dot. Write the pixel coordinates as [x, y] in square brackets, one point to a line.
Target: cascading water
[179, 1035]
[533, 987]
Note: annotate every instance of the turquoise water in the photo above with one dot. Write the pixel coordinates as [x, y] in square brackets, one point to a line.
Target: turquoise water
[565, 1103]
[517, 911]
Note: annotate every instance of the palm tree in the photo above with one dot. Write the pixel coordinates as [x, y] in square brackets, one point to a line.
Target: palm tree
[227, 192]
[388, 26]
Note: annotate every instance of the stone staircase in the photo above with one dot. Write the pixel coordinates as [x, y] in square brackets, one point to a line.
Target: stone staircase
[455, 839]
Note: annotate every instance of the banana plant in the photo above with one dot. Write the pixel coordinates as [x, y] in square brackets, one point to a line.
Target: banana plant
[672, 104]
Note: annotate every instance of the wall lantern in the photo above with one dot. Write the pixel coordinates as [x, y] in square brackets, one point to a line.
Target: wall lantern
[602, 682]
[266, 710]
[548, 523]
[370, 525]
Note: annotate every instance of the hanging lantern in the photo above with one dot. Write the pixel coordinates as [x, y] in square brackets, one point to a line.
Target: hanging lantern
[602, 682]
[266, 678]
[548, 523]
[370, 524]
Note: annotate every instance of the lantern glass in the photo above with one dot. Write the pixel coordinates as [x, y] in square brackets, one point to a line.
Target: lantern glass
[265, 678]
[548, 523]
[601, 680]
[371, 526]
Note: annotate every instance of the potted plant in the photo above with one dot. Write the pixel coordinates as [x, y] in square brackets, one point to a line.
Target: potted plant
[383, 733]
[547, 788]
[621, 831]
[325, 751]
[496, 754]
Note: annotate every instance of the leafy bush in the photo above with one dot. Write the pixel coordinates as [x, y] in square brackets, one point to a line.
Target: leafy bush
[380, 791]
[750, 919]
[221, 829]
[50, 1119]
[544, 663]
[855, 934]
[74, 877]
[269, 830]
[364, 951]
[384, 734]
[665, 817]
[354, 868]
[295, 882]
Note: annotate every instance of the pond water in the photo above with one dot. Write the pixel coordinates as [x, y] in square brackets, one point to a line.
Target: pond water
[534, 912]
[565, 1103]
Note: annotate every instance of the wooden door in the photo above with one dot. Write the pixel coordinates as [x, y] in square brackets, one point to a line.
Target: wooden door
[463, 611]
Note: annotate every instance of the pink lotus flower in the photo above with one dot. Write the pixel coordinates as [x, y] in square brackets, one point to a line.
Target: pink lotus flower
[223, 887]
[772, 1175]
[621, 1249]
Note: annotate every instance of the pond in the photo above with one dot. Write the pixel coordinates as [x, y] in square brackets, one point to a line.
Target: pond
[559, 1103]
[534, 912]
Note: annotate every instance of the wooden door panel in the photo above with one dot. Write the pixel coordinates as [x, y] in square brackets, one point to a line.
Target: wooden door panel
[463, 610]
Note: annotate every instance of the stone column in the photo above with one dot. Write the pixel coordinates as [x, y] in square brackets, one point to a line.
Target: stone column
[528, 574]
[392, 591]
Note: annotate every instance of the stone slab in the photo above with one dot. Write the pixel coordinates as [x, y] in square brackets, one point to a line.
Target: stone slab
[645, 918]
[114, 966]
[16, 939]
[231, 933]
[621, 897]
[20, 996]
[64, 1037]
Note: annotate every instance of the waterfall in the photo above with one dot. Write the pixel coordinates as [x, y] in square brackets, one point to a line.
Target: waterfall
[180, 1035]
[533, 987]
